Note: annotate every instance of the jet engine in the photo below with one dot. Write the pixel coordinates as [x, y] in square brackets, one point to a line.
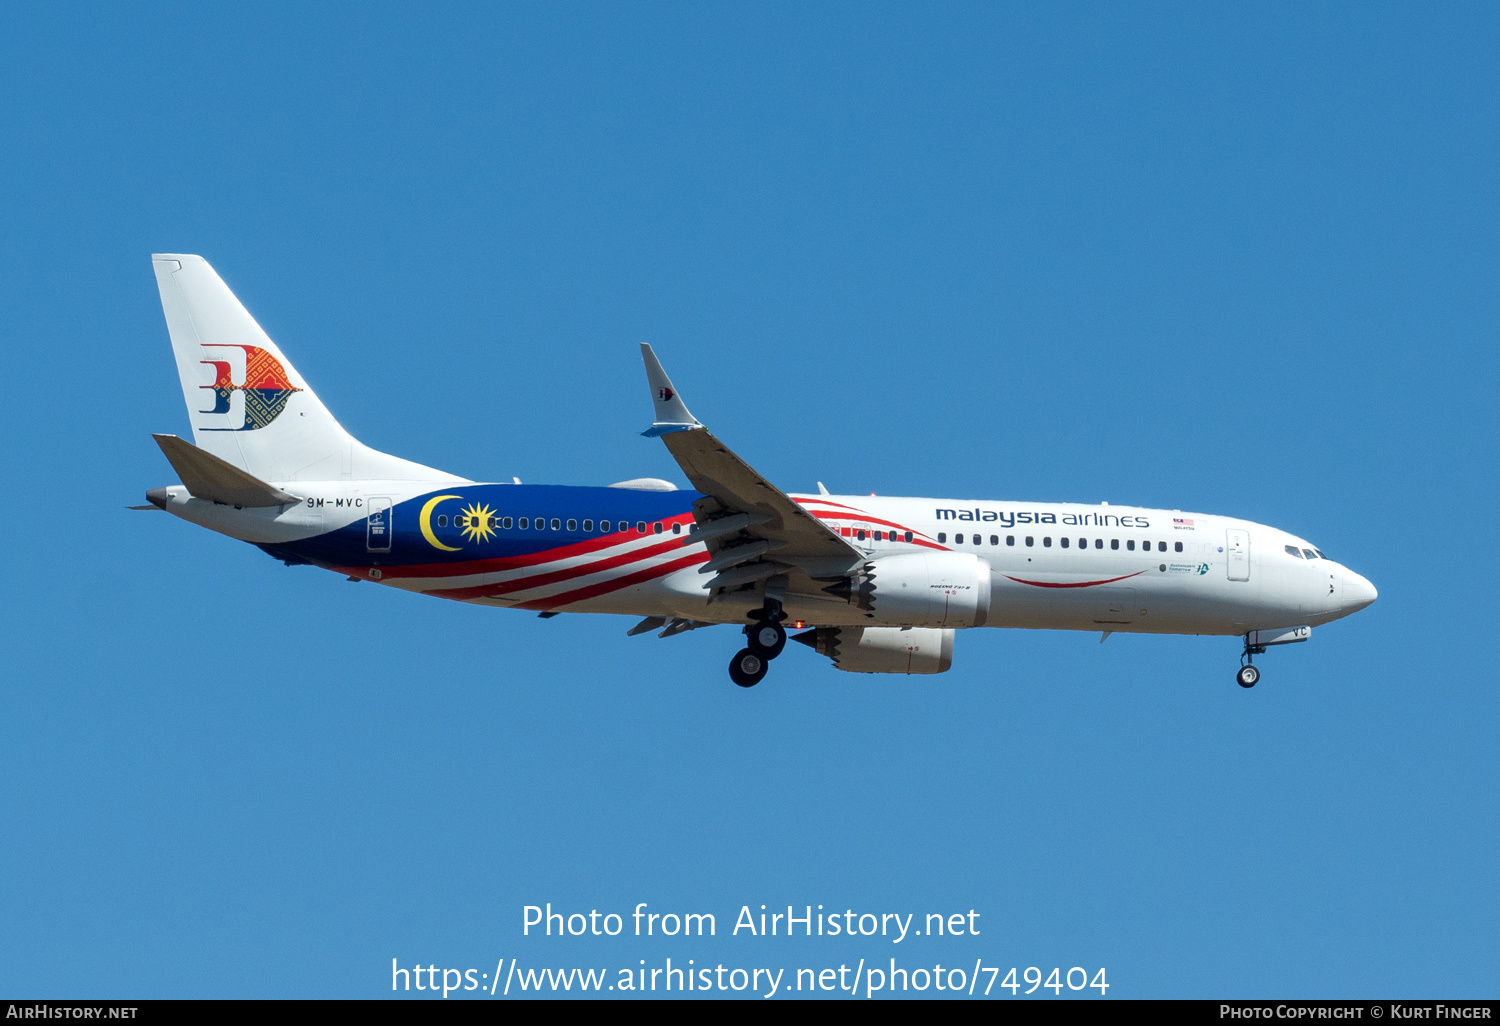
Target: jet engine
[883, 649]
[918, 589]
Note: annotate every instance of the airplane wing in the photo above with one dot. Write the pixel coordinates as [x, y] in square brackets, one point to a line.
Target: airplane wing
[753, 530]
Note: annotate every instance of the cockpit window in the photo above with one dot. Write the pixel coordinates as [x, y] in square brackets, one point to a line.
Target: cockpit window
[1320, 553]
[1292, 550]
[1309, 553]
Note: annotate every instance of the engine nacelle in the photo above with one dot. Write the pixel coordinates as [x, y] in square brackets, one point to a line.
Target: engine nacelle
[918, 589]
[883, 649]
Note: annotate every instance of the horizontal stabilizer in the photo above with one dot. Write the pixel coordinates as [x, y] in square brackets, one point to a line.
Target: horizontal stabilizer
[208, 477]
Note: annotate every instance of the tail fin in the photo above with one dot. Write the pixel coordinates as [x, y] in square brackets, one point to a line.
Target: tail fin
[270, 425]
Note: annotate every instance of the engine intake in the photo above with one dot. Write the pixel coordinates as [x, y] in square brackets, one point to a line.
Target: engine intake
[942, 589]
[883, 649]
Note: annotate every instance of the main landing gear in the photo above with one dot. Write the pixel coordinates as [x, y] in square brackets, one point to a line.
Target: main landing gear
[764, 640]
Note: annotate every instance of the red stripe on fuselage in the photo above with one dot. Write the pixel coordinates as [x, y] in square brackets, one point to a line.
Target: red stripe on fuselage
[499, 588]
[861, 517]
[805, 499]
[605, 587]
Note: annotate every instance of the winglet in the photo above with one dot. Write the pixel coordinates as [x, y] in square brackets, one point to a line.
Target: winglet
[671, 413]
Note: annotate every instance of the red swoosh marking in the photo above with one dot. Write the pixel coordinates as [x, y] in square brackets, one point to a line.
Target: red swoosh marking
[1079, 584]
[861, 517]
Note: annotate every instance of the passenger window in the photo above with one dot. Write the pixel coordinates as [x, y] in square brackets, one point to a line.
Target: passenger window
[1030, 541]
[908, 536]
[994, 539]
[1130, 544]
[676, 528]
[1309, 554]
[572, 525]
[1179, 546]
[525, 523]
[494, 522]
[1064, 542]
[1010, 539]
[1161, 546]
[958, 539]
[860, 534]
[1083, 543]
[880, 536]
[1047, 542]
[640, 527]
[442, 521]
[588, 525]
[1114, 543]
[556, 524]
[1098, 543]
[1291, 550]
[942, 538]
[656, 527]
[507, 523]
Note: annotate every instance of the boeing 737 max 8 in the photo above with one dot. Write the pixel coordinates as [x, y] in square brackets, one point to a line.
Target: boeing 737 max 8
[883, 584]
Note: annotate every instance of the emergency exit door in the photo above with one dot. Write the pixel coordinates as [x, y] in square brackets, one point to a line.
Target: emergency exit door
[1237, 555]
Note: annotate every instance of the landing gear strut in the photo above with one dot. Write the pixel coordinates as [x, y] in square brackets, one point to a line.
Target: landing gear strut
[1248, 676]
[764, 640]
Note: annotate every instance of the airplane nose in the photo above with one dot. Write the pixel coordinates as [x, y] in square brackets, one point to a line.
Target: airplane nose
[1358, 592]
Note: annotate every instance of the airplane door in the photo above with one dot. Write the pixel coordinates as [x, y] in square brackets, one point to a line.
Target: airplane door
[864, 537]
[1237, 553]
[378, 525]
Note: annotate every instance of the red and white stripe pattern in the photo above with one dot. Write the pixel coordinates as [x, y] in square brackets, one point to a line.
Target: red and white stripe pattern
[569, 575]
[559, 577]
[841, 519]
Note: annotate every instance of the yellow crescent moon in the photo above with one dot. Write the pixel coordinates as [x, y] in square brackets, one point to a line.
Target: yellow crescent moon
[425, 522]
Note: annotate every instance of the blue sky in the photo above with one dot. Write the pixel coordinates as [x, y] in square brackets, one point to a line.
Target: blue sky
[1239, 260]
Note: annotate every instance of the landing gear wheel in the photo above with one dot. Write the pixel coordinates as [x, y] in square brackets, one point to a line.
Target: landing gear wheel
[1248, 676]
[766, 638]
[748, 669]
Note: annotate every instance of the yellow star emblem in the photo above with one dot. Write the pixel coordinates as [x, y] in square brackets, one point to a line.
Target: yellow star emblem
[476, 522]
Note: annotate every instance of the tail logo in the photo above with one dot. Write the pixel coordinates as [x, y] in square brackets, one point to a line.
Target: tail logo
[266, 387]
[665, 394]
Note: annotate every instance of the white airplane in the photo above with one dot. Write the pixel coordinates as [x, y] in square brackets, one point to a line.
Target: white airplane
[882, 584]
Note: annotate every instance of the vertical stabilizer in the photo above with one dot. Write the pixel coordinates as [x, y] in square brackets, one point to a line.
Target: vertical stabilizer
[246, 402]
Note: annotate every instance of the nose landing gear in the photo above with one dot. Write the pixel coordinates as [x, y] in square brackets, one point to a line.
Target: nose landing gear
[1248, 676]
[764, 640]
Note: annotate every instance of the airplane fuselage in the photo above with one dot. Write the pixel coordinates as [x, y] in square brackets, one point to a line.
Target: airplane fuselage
[626, 551]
